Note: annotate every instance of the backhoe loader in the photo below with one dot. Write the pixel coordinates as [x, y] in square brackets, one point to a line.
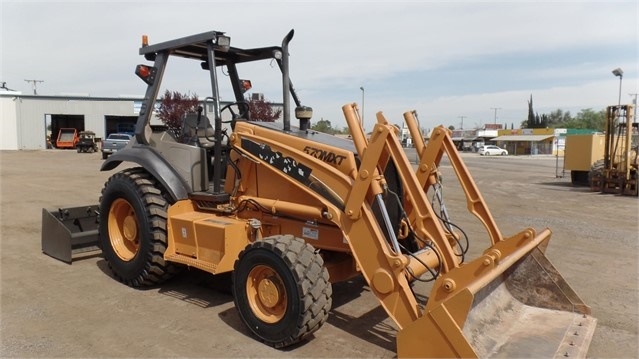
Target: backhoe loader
[289, 211]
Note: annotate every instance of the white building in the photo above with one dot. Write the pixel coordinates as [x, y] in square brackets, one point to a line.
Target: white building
[27, 120]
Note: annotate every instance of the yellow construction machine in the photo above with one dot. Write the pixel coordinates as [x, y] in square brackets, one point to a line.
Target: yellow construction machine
[617, 171]
[607, 162]
[289, 211]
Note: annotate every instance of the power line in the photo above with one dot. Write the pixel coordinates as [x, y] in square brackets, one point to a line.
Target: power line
[34, 83]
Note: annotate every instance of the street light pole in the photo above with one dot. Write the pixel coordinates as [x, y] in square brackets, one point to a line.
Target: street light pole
[362, 88]
[618, 72]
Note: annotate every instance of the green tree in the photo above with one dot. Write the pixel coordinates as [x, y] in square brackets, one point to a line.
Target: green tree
[173, 106]
[535, 120]
[588, 118]
[324, 126]
[541, 121]
[530, 123]
[558, 118]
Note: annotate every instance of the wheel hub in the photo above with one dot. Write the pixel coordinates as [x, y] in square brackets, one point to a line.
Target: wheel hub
[123, 229]
[130, 228]
[268, 292]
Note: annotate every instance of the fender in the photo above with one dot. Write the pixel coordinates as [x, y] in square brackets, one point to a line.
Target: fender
[150, 160]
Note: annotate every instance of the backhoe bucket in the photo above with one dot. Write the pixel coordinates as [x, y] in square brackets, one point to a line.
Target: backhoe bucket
[523, 310]
[69, 231]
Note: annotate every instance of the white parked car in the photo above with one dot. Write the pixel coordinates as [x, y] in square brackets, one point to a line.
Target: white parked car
[490, 150]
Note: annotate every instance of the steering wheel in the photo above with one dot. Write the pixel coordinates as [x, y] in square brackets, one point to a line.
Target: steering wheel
[242, 108]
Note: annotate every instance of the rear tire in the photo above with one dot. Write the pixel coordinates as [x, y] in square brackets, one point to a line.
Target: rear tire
[596, 171]
[104, 155]
[281, 290]
[133, 235]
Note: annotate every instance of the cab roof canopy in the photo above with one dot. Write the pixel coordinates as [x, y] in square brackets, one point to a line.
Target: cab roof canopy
[195, 47]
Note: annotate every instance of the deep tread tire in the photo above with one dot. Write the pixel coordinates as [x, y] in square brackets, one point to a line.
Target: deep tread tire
[144, 265]
[304, 280]
[596, 170]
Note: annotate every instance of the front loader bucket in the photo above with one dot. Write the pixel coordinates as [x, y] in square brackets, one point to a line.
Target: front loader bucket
[510, 302]
[523, 310]
[69, 231]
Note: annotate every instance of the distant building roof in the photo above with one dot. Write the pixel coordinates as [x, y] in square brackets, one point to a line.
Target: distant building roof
[522, 138]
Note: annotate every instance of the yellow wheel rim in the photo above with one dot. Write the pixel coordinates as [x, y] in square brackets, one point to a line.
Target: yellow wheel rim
[123, 229]
[266, 294]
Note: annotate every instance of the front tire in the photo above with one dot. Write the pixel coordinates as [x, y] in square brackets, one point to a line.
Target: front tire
[281, 290]
[133, 235]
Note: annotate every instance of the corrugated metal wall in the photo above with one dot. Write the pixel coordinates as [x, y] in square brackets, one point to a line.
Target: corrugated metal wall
[8, 124]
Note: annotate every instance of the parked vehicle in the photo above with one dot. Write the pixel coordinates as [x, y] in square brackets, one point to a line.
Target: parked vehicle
[67, 138]
[114, 143]
[87, 142]
[491, 150]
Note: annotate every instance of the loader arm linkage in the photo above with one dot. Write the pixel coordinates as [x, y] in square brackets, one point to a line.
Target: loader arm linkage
[430, 157]
[516, 263]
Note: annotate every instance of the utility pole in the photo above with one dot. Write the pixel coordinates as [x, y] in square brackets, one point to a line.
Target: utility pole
[495, 108]
[34, 83]
[634, 102]
[462, 121]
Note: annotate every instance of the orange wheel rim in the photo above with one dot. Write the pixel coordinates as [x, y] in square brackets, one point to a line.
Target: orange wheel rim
[266, 294]
[123, 229]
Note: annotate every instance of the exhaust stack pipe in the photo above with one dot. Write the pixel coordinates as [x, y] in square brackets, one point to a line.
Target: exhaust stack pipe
[286, 82]
[302, 113]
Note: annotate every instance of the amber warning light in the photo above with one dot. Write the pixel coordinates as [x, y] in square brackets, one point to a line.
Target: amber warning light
[245, 85]
[146, 73]
[145, 41]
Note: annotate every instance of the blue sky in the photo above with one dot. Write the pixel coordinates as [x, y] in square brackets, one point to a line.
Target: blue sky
[443, 59]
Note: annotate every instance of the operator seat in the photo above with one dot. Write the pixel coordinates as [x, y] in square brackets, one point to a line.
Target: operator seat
[194, 132]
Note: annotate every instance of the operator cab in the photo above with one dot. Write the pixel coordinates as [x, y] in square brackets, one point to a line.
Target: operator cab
[199, 169]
